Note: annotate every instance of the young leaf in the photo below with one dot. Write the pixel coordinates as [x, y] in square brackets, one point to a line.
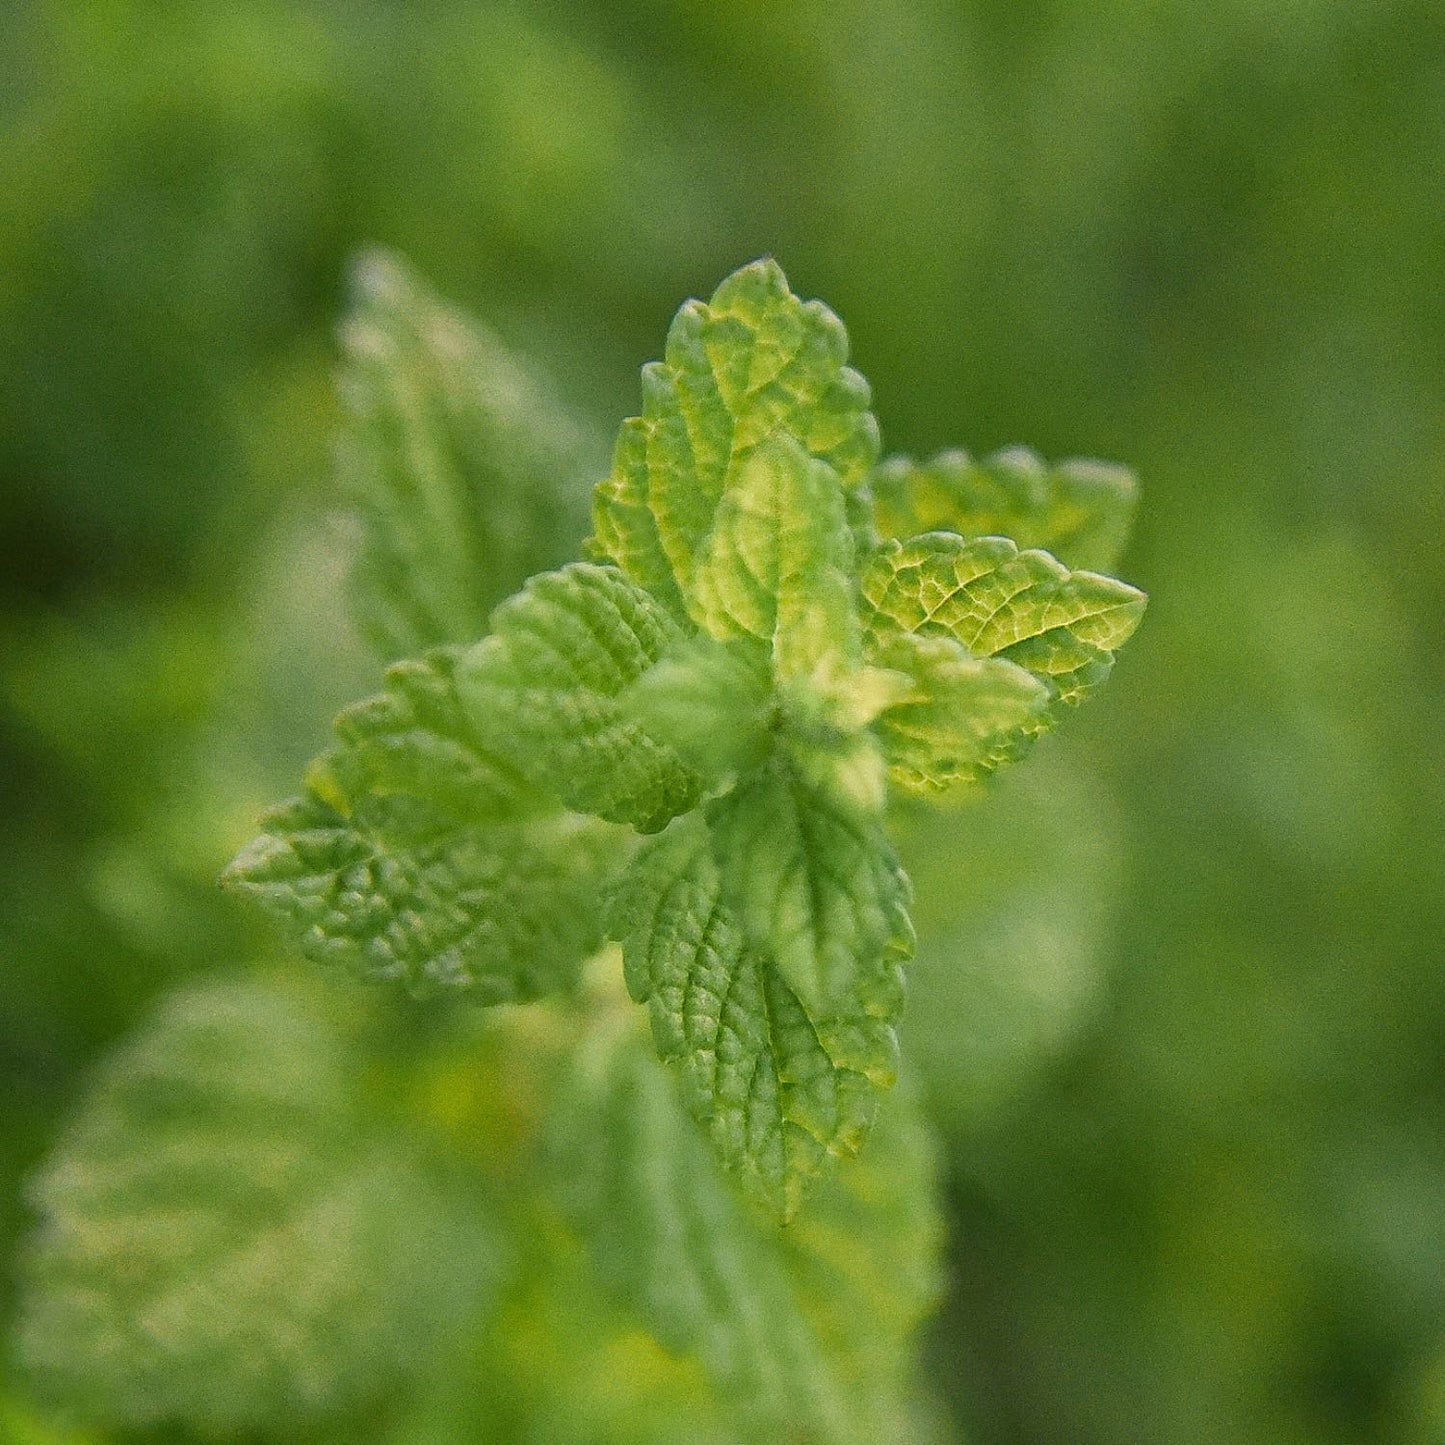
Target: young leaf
[1081, 511]
[753, 362]
[780, 1092]
[467, 473]
[805, 1335]
[417, 856]
[985, 594]
[777, 564]
[226, 1242]
[711, 701]
[963, 717]
[543, 692]
[815, 883]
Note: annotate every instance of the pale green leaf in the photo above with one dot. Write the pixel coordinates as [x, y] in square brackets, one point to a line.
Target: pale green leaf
[815, 883]
[962, 718]
[1027, 607]
[418, 856]
[781, 1093]
[753, 362]
[543, 691]
[711, 701]
[806, 1331]
[1081, 511]
[467, 473]
[225, 1240]
[777, 564]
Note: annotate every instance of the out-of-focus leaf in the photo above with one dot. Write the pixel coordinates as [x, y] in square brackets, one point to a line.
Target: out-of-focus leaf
[468, 474]
[1081, 511]
[226, 1241]
[804, 1332]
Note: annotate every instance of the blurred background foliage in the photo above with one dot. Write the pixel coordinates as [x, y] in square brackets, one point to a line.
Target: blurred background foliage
[1180, 994]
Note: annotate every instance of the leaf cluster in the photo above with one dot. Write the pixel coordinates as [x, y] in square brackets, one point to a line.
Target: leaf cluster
[772, 632]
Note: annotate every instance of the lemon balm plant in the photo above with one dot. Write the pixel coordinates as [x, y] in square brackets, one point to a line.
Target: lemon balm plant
[664, 768]
[739, 674]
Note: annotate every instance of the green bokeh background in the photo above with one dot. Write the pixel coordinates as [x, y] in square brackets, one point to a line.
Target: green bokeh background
[1191, 1080]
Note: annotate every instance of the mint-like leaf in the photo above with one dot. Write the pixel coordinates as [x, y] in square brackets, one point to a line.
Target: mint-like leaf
[418, 856]
[543, 691]
[782, 1092]
[751, 365]
[226, 1240]
[1081, 511]
[962, 717]
[777, 563]
[815, 883]
[1026, 607]
[468, 474]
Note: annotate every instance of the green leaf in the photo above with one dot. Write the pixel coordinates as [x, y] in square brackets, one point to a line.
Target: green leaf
[805, 1332]
[781, 1094]
[777, 564]
[414, 740]
[543, 691]
[1081, 511]
[752, 363]
[468, 474]
[711, 701]
[417, 856]
[1026, 607]
[816, 885]
[225, 1240]
[962, 718]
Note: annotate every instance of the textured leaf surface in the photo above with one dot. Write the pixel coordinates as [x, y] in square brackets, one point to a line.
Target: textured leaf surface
[985, 594]
[753, 362]
[418, 856]
[805, 1331]
[777, 564]
[815, 883]
[1081, 511]
[224, 1241]
[780, 1093]
[965, 716]
[543, 691]
[467, 473]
